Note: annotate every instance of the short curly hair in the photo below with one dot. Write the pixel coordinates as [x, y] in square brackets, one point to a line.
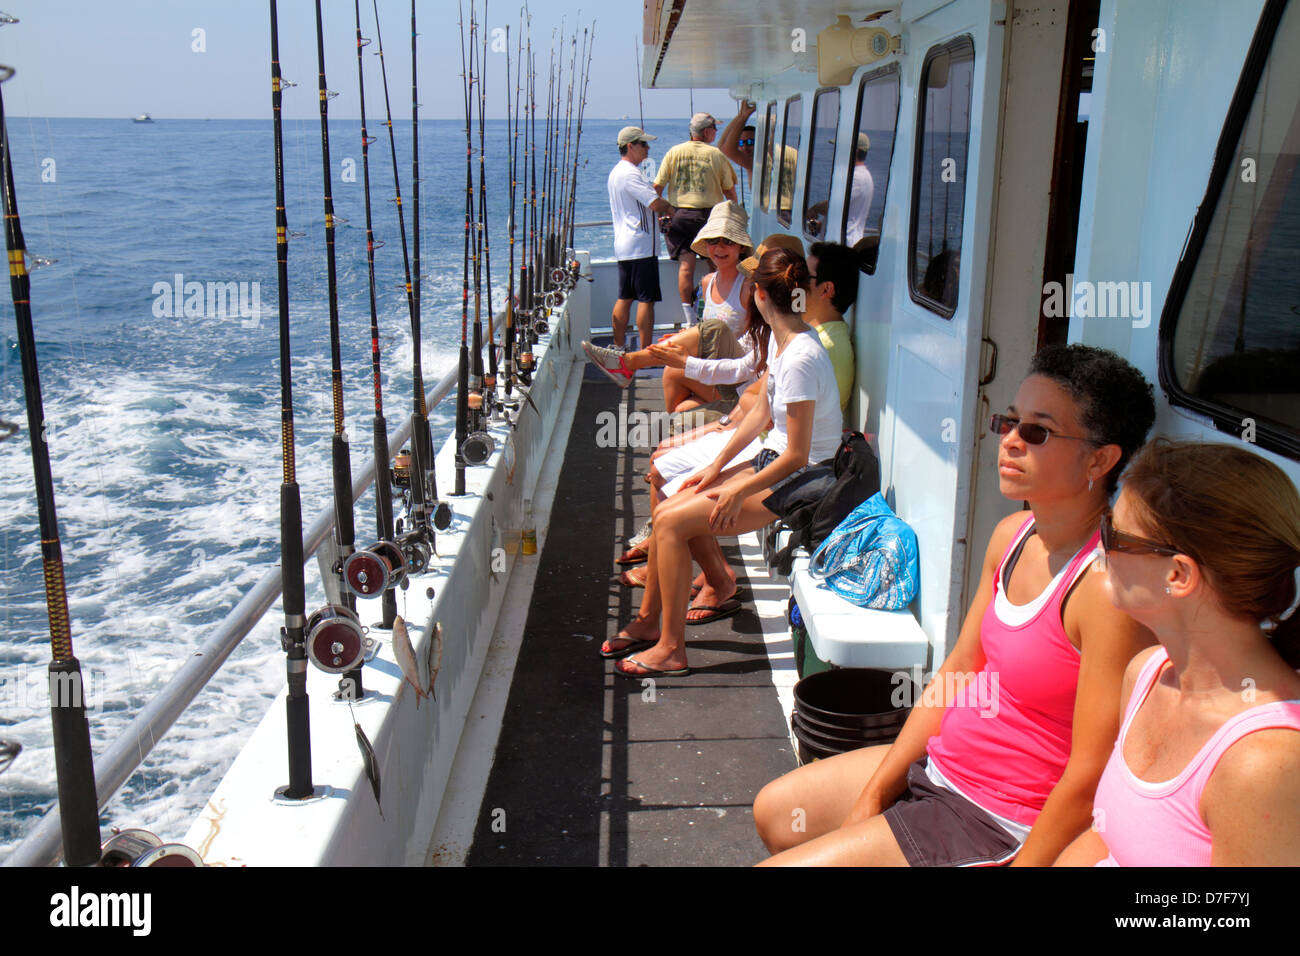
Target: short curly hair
[1116, 404]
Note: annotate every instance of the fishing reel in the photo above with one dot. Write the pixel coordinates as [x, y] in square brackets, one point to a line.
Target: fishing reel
[558, 275]
[336, 642]
[401, 470]
[477, 448]
[415, 547]
[374, 570]
[135, 847]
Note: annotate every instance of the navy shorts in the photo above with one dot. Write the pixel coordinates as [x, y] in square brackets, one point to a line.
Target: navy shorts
[810, 483]
[639, 279]
[683, 229]
[935, 826]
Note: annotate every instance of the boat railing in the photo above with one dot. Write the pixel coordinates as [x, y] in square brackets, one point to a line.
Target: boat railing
[43, 846]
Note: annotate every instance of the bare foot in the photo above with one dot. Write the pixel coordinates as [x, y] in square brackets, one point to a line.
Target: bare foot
[710, 598]
[654, 659]
[638, 631]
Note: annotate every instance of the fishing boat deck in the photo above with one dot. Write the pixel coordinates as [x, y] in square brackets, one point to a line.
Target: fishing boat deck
[592, 768]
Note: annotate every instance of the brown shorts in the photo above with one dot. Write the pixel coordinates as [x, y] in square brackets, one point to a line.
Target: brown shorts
[682, 230]
[717, 341]
[935, 826]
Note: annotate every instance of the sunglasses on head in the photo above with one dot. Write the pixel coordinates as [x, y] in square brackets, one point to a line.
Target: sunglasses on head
[1030, 433]
[1125, 543]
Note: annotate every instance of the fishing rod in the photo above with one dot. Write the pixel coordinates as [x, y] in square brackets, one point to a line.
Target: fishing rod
[462, 381]
[73, 764]
[413, 471]
[490, 379]
[512, 138]
[577, 147]
[291, 635]
[381, 567]
[525, 360]
[640, 108]
[477, 445]
[336, 642]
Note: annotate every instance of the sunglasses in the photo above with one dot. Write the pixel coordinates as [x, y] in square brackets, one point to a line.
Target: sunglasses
[1125, 543]
[1030, 433]
[744, 142]
[719, 241]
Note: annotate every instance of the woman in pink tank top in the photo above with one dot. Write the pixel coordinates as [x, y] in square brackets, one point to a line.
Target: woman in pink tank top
[1206, 769]
[1002, 753]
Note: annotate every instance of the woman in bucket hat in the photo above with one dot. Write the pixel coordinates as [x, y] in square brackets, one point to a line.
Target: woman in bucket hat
[722, 333]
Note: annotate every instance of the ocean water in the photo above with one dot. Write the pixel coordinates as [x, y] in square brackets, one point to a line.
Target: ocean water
[163, 428]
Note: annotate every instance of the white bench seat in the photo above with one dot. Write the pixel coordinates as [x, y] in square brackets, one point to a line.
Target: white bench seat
[846, 635]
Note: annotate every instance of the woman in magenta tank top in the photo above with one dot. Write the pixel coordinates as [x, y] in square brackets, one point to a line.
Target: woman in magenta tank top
[1002, 753]
[1202, 548]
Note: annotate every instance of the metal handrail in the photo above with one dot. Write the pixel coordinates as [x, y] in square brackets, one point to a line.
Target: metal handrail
[44, 845]
[588, 225]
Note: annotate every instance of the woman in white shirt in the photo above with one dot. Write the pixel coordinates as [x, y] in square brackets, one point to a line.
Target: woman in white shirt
[801, 398]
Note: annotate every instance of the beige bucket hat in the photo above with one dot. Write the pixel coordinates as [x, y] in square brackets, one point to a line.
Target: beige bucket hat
[727, 220]
[777, 240]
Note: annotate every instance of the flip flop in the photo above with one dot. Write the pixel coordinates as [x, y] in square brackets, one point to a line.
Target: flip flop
[631, 647]
[633, 556]
[650, 671]
[725, 609]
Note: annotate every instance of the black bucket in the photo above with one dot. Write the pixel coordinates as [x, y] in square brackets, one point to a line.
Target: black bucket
[841, 710]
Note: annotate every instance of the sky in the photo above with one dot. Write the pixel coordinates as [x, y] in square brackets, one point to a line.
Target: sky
[210, 59]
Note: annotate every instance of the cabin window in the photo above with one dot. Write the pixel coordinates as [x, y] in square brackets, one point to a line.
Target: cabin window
[1230, 333]
[765, 193]
[870, 155]
[939, 197]
[791, 130]
[821, 163]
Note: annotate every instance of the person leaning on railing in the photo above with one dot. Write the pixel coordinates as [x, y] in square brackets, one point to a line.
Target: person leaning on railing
[1202, 548]
[1000, 757]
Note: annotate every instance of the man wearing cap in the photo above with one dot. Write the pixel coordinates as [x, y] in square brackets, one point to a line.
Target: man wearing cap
[632, 204]
[694, 176]
[861, 192]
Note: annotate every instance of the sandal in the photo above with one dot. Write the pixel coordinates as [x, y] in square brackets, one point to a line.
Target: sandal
[632, 646]
[727, 608]
[648, 671]
[627, 579]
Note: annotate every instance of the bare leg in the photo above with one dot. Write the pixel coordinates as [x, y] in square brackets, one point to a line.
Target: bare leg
[686, 276]
[622, 312]
[814, 800]
[719, 577]
[645, 322]
[677, 521]
[870, 843]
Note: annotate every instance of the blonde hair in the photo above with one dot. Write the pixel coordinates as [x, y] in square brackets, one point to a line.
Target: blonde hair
[1237, 515]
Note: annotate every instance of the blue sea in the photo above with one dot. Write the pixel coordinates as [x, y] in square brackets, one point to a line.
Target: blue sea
[163, 423]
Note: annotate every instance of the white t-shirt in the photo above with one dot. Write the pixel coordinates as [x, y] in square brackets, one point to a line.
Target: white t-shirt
[630, 196]
[860, 195]
[803, 372]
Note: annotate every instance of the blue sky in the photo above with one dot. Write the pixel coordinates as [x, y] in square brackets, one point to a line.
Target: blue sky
[97, 58]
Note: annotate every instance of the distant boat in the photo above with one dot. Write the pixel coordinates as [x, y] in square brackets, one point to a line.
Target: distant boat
[142, 118]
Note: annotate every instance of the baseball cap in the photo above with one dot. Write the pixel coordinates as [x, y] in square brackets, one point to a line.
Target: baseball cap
[633, 134]
[702, 121]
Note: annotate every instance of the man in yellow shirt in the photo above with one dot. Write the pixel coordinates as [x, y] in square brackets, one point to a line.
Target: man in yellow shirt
[694, 177]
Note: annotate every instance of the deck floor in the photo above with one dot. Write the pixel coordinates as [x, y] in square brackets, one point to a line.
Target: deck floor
[589, 771]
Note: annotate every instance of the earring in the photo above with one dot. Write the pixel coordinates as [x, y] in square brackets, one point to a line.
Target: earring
[1090, 484]
[1167, 591]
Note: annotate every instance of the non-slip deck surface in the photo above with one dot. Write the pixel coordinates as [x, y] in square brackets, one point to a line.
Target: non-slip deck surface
[594, 769]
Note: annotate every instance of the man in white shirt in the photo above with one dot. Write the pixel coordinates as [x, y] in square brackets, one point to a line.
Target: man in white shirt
[861, 192]
[632, 205]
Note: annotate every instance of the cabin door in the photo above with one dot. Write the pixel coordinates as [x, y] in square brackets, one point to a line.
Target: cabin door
[952, 82]
[1036, 185]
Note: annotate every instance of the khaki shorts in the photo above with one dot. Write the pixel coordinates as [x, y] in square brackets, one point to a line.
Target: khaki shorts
[717, 341]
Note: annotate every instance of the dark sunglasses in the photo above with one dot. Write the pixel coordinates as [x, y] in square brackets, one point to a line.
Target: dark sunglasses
[718, 241]
[744, 142]
[1030, 433]
[1125, 543]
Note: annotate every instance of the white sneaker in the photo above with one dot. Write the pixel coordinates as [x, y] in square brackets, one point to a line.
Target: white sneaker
[609, 361]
